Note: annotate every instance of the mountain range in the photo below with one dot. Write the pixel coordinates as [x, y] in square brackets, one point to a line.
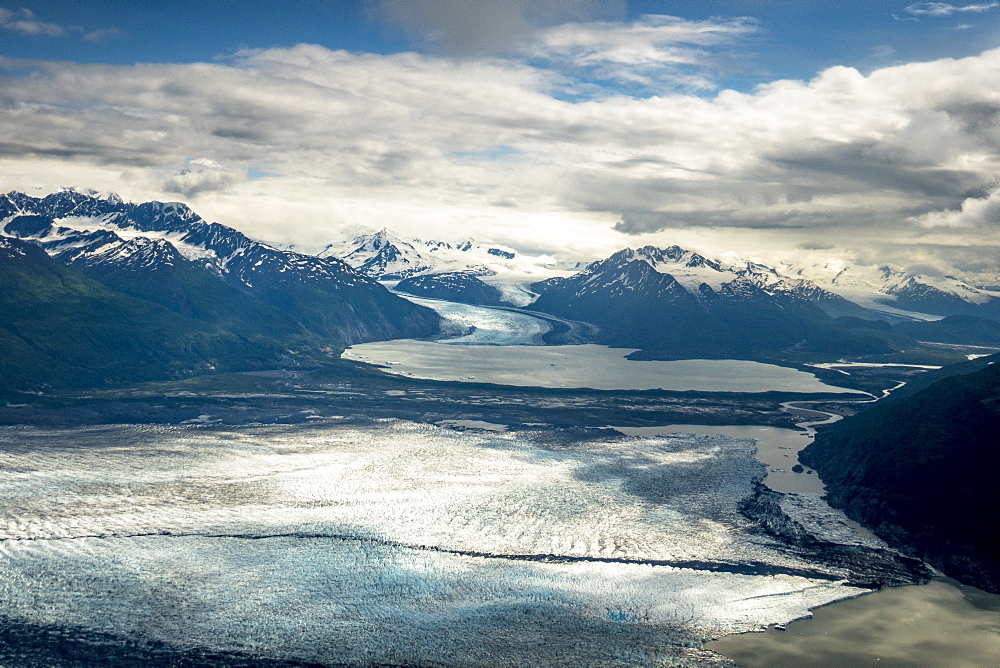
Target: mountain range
[387, 256]
[839, 288]
[201, 277]
[676, 303]
[219, 299]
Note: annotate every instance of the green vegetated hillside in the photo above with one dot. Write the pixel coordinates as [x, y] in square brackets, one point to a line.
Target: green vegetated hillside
[190, 291]
[922, 471]
[138, 291]
[60, 327]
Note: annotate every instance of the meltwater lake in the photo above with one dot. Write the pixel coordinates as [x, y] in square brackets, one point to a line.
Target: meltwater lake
[502, 347]
[581, 366]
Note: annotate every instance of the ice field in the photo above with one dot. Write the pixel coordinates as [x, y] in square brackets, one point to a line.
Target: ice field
[394, 543]
[485, 326]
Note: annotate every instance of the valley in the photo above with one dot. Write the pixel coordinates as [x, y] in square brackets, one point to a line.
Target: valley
[499, 333]
[423, 453]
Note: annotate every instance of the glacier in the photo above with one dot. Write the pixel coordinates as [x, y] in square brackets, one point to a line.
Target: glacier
[395, 542]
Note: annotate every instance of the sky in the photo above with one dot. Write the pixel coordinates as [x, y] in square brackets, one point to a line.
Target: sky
[782, 130]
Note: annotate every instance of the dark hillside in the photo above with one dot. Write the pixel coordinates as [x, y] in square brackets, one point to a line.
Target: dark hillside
[922, 471]
[457, 286]
[60, 327]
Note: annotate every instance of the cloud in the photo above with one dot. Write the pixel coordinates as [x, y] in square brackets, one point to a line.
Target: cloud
[438, 146]
[816, 245]
[198, 176]
[646, 51]
[578, 38]
[479, 28]
[102, 35]
[938, 9]
[974, 212]
[25, 22]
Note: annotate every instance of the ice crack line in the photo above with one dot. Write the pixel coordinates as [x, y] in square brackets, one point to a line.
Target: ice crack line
[737, 568]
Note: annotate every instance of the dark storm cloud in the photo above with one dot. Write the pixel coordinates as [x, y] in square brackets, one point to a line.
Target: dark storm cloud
[477, 28]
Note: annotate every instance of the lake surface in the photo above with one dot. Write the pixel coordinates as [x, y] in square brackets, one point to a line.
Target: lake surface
[582, 366]
[777, 449]
[938, 625]
[489, 345]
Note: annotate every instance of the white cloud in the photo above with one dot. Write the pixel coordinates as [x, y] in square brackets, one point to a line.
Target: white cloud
[648, 50]
[25, 22]
[200, 175]
[945, 9]
[577, 38]
[420, 143]
[974, 212]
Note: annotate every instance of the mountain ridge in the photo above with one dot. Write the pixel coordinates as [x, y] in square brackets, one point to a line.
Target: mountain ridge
[671, 303]
[921, 469]
[107, 237]
[840, 289]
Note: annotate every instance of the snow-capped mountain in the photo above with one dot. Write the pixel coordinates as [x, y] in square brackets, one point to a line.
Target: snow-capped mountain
[170, 253]
[97, 231]
[896, 293]
[835, 287]
[675, 301]
[456, 286]
[702, 277]
[388, 256]
[60, 327]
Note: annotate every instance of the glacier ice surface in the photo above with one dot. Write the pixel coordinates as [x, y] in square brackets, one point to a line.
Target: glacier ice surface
[392, 543]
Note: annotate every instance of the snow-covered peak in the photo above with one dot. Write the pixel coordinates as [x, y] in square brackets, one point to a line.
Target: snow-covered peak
[83, 229]
[888, 289]
[688, 268]
[389, 256]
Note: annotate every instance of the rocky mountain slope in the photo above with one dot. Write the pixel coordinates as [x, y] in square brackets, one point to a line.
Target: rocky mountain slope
[204, 295]
[839, 288]
[456, 286]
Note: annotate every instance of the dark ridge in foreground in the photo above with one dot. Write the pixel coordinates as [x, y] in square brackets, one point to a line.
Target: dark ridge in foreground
[921, 471]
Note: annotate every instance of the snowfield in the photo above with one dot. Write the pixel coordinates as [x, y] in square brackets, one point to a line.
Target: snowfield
[395, 543]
